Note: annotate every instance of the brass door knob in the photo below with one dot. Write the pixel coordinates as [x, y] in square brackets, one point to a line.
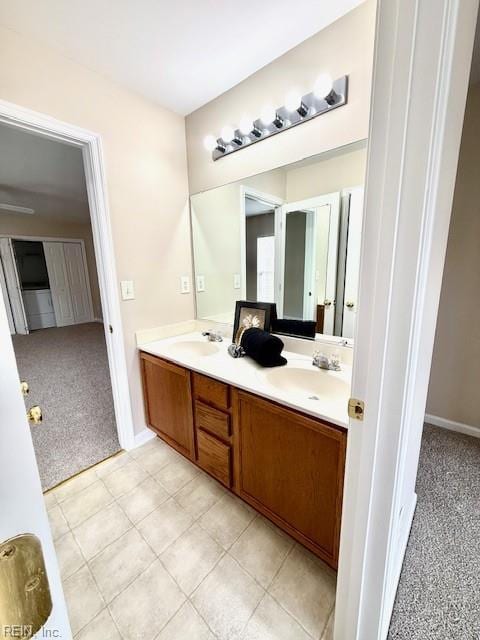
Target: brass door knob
[34, 414]
[24, 388]
[350, 305]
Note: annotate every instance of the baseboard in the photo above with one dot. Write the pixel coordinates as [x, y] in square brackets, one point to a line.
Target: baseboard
[401, 546]
[143, 437]
[98, 320]
[459, 427]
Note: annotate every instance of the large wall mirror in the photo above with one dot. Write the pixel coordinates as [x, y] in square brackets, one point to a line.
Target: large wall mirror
[290, 236]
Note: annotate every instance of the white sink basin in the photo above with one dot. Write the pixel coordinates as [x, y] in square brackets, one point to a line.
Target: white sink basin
[194, 348]
[313, 383]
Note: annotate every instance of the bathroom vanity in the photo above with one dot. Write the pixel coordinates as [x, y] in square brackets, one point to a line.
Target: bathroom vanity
[263, 433]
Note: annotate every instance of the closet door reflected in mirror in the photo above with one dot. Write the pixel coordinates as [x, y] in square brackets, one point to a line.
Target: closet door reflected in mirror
[290, 236]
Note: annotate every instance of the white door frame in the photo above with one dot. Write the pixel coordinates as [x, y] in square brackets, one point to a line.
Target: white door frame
[422, 61]
[91, 145]
[275, 202]
[15, 236]
[331, 199]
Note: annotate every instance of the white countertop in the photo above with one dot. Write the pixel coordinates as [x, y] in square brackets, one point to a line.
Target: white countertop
[299, 385]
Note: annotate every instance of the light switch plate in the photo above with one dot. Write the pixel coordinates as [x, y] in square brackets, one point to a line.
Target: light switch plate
[237, 282]
[185, 284]
[200, 283]
[128, 292]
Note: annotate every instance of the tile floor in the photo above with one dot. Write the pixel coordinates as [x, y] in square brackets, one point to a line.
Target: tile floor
[151, 548]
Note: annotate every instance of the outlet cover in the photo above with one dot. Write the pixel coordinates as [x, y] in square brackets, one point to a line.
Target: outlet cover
[200, 283]
[185, 284]
[128, 292]
[237, 281]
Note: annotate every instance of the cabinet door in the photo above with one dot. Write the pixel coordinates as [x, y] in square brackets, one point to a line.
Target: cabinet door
[168, 402]
[291, 468]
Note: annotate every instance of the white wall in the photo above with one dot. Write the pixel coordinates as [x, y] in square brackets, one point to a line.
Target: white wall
[455, 374]
[146, 179]
[344, 47]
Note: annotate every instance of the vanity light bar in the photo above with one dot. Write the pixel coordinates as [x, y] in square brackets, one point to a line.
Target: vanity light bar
[327, 95]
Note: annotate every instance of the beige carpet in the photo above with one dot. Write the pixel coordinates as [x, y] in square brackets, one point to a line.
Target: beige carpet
[67, 371]
[438, 596]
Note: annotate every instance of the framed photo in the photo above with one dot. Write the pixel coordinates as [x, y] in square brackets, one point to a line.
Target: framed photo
[253, 314]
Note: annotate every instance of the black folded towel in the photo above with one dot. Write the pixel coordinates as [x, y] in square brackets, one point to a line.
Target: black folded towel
[302, 328]
[263, 347]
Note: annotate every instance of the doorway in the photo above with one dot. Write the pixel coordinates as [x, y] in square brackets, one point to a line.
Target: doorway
[50, 286]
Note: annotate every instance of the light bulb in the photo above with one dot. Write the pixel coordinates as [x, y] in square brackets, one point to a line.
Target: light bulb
[210, 143]
[268, 115]
[246, 125]
[293, 101]
[228, 134]
[323, 86]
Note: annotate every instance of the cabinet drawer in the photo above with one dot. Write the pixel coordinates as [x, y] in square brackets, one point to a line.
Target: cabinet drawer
[211, 391]
[212, 420]
[214, 457]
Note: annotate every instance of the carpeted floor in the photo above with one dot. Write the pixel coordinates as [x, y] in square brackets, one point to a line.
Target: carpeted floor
[67, 371]
[439, 593]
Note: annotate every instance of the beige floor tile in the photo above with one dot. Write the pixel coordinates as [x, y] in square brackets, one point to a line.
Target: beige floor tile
[125, 479]
[186, 624]
[142, 500]
[176, 475]
[120, 563]
[146, 605]
[69, 556]
[96, 533]
[86, 503]
[154, 443]
[328, 633]
[227, 520]
[271, 622]
[112, 464]
[75, 484]
[227, 598]
[101, 627]
[199, 495]
[164, 525]
[50, 500]
[84, 601]
[305, 587]
[58, 524]
[191, 557]
[156, 457]
[260, 550]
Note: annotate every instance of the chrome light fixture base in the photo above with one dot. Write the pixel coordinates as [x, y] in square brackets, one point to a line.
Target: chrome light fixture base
[311, 106]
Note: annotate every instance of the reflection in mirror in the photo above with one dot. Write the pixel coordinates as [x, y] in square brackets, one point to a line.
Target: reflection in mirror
[290, 236]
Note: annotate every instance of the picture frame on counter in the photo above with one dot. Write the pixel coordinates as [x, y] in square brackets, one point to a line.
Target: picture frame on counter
[250, 314]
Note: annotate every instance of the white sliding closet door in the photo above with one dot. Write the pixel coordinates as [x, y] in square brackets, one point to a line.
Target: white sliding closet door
[78, 282]
[59, 286]
[14, 298]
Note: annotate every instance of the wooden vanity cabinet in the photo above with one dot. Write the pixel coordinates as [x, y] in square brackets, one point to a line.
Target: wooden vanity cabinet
[288, 466]
[168, 402]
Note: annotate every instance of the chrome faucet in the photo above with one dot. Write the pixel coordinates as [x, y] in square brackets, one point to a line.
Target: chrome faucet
[213, 336]
[323, 361]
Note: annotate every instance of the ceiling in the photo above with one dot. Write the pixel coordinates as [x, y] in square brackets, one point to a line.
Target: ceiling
[180, 54]
[42, 174]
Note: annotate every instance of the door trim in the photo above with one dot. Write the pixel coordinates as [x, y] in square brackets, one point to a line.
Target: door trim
[422, 62]
[92, 150]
